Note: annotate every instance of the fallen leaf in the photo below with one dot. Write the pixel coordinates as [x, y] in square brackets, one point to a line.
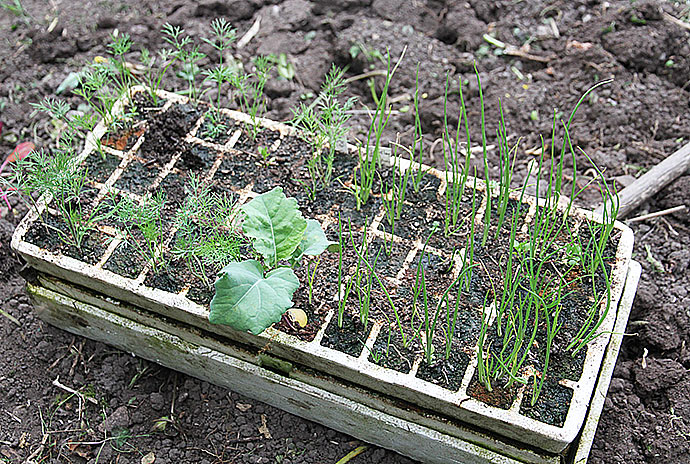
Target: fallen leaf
[21, 151]
[68, 83]
[263, 430]
[148, 458]
[243, 407]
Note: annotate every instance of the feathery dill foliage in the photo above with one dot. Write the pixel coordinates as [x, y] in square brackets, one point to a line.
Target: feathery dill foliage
[223, 37]
[53, 172]
[142, 224]
[249, 92]
[207, 236]
[322, 124]
[188, 55]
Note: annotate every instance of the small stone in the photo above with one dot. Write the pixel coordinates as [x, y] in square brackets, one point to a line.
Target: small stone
[157, 401]
[119, 419]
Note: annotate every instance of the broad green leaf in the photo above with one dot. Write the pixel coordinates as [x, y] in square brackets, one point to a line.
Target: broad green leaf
[314, 241]
[247, 301]
[275, 224]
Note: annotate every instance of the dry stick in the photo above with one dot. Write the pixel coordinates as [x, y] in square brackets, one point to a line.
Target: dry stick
[253, 30]
[652, 182]
[57, 383]
[676, 21]
[664, 212]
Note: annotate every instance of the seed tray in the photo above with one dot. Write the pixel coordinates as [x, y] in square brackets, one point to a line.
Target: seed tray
[371, 417]
[454, 403]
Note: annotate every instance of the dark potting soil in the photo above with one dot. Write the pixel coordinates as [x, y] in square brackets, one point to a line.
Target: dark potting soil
[500, 396]
[264, 139]
[552, 404]
[92, 248]
[43, 233]
[173, 187]
[199, 293]
[144, 106]
[171, 278]
[447, 373]
[47, 235]
[101, 166]
[322, 298]
[196, 158]
[137, 177]
[166, 133]
[427, 193]
[563, 365]
[387, 257]
[125, 261]
[349, 338]
[514, 209]
[390, 352]
[235, 171]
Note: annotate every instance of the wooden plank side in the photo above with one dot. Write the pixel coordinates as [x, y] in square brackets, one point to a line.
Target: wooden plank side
[358, 420]
[323, 381]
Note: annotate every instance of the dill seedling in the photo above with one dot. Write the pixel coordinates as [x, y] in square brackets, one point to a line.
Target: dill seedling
[188, 54]
[57, 175]
[207, 235]
[154, 76]
[223, 37]
[143, 227]
[121, 74]
[249, 89]
[322, 124]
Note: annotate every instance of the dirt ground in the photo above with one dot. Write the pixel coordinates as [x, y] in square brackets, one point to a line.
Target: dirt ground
[626, 127]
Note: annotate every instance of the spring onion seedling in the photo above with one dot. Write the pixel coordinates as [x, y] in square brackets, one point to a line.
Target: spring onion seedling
[455, 173]
[369, 155]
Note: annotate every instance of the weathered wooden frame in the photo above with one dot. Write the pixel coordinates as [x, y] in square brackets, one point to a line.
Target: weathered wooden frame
[369, 416]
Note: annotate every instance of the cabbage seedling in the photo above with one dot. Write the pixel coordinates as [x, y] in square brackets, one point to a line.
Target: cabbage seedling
[255, 293]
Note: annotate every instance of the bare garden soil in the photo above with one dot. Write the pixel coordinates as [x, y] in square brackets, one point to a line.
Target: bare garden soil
[623, 127]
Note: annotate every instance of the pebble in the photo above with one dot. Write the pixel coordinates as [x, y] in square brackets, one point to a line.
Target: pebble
[157, 401]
